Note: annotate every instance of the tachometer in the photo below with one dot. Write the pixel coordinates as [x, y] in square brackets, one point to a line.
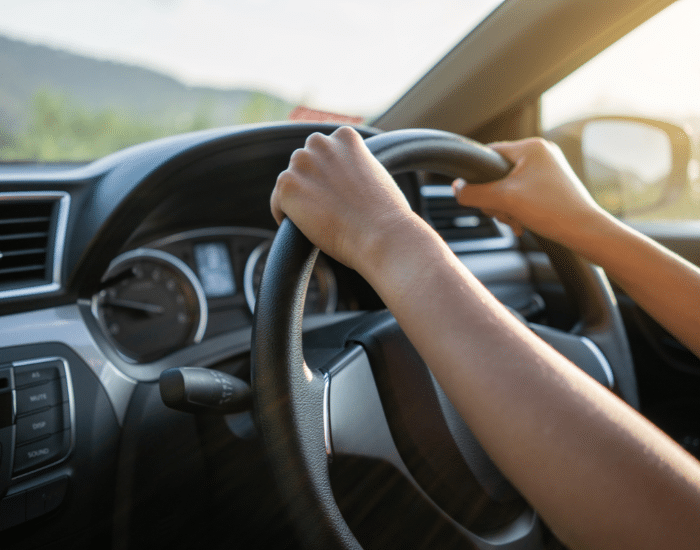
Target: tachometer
[321, 296]
[151, 304]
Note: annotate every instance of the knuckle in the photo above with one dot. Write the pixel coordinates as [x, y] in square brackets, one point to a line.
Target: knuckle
[539, 145]
[286, 180]
[347, 134]
[300, 158]
[317, 140]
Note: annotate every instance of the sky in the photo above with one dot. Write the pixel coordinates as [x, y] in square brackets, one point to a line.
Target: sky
[352, 56]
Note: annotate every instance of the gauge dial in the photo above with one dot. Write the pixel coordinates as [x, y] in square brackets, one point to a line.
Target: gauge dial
[321, 295]
[151, 304]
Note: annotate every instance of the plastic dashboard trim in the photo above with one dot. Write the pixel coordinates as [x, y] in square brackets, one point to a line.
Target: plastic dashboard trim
[65, 324]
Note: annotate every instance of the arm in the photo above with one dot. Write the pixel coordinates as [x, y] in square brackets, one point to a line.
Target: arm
[544, 195]
[599, 473]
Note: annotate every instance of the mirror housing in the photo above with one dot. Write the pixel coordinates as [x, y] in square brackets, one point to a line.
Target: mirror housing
[630, 165]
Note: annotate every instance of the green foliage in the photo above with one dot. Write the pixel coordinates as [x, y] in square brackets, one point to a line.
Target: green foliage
[260, 108]
[60, 129]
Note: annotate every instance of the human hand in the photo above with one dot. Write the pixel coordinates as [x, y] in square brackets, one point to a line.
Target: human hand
[340, 197]
[541, 193]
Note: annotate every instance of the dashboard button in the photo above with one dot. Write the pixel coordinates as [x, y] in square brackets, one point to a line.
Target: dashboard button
[36, 374]
[40, 453]
[38, 397]
[39, 425]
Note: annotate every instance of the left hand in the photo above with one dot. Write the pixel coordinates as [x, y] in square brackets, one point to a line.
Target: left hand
[341, 198]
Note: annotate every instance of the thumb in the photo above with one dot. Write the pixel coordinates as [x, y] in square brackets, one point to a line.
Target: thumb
[482, 195]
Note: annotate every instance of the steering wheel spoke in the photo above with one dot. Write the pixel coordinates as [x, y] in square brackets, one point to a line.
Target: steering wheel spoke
[355, 420]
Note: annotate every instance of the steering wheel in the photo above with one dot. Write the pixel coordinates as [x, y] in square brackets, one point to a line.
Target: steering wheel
[365, 391]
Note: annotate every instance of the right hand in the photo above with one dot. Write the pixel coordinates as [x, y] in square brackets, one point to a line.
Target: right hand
[541, 193]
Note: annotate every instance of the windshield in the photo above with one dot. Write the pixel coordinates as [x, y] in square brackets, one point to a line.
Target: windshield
[83, 78]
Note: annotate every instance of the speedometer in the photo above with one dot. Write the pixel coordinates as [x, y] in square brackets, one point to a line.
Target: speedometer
[321, 295]
[151, 304]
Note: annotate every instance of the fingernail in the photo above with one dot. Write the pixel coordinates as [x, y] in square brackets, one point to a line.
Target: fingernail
[458, 185]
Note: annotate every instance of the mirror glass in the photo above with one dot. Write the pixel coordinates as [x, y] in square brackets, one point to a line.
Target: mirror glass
[627, 165]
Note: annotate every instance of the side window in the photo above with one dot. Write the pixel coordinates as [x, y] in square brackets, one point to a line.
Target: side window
[652, 73]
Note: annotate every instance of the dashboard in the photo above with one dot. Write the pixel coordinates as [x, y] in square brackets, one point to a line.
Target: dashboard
[151, 259]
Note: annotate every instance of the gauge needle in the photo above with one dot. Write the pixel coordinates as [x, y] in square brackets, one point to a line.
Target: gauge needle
[133, 304]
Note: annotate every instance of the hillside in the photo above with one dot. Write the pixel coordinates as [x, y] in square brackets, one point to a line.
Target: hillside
[38, 80]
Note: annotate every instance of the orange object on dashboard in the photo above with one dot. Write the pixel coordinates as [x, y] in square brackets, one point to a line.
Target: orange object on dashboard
[304, 114]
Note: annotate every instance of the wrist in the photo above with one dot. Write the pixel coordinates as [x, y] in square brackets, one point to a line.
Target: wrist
[590, 233]
[394, 252]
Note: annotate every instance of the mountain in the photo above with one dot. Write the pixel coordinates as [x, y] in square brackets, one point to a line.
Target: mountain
[96, 85]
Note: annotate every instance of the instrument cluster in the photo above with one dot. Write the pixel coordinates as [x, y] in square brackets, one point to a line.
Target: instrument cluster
[177, 290]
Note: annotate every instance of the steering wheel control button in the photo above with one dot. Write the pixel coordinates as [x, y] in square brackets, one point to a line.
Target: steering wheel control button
[38, 397]
[42, 452]
[39, 425]
[36, 374]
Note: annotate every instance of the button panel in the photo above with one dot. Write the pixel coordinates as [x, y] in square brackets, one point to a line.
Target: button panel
[36, 431]
[35, 404]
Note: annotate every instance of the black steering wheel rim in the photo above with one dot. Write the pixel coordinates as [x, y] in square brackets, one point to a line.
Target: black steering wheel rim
[289, 395]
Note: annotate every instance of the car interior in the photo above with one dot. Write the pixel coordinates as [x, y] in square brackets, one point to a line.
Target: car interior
[178, 372]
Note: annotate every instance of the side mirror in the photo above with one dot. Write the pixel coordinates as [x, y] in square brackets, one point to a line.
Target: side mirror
[630, 165]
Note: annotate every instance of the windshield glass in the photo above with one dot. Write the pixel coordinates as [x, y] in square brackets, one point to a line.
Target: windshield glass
[84, 78]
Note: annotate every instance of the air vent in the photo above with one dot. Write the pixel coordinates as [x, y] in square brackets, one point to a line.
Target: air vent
[455, 222]
[29, 239]
[463, 228]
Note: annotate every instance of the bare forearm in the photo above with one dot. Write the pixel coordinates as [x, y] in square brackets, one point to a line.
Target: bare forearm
[666, 286]
[600, 475]
[577, 453]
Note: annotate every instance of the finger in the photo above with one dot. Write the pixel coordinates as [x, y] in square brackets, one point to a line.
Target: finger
[513, 150]
[318, 144]
[277, 212]
[302, 160]
[347, 134]
[483, 195]
[284, 180]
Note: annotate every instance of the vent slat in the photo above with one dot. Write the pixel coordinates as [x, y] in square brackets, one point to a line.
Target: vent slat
[22, 269]
[458, 223]
[25, 229]
[24, 236]
[24, 252]
[41, 219]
